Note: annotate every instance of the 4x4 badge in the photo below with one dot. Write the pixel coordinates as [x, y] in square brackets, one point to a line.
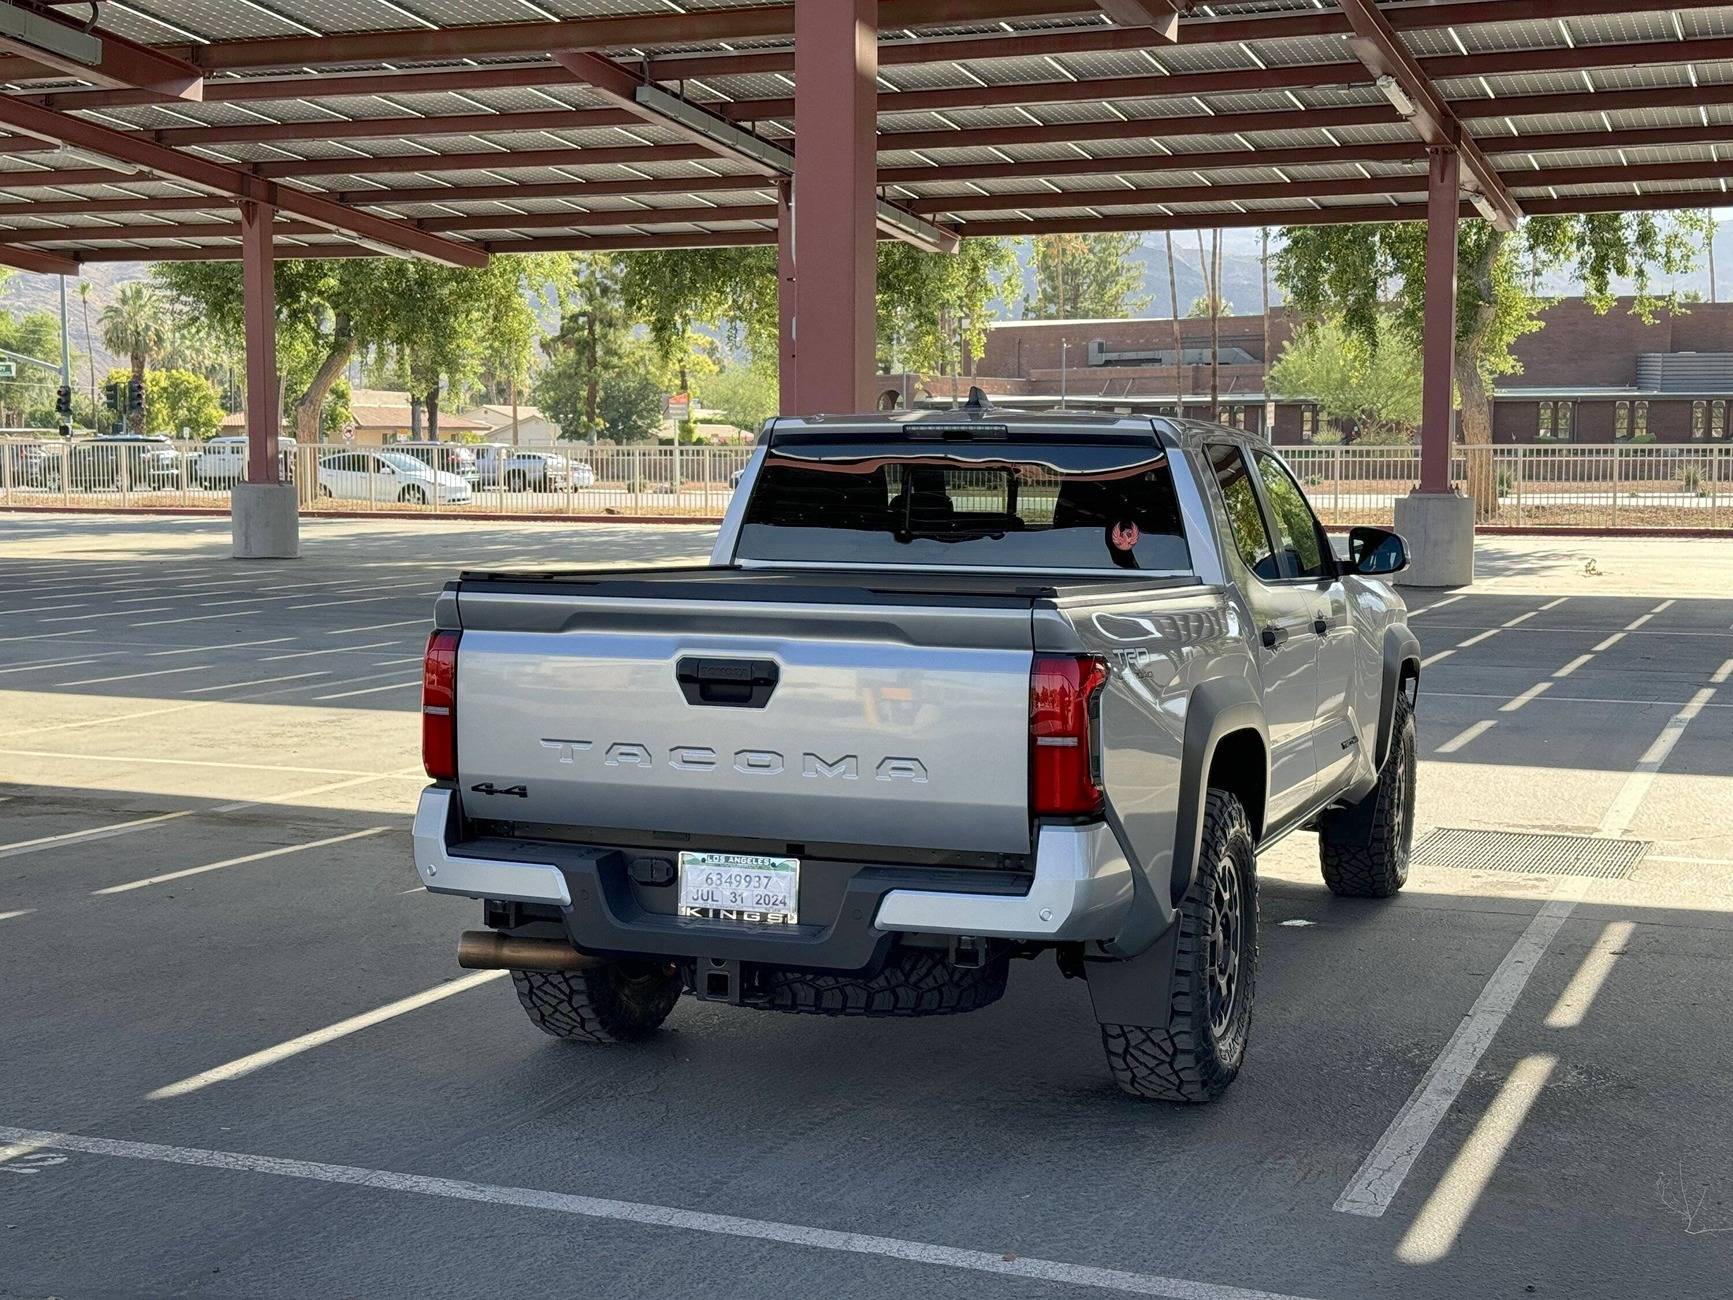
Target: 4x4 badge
[488, 787]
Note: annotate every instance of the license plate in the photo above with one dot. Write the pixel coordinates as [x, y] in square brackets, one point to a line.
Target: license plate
[740, 887]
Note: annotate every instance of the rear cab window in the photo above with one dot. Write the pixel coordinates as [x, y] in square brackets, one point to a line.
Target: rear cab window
[1064, 505]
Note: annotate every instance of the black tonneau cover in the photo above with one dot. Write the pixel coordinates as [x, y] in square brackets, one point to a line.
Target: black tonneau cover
[795, 586]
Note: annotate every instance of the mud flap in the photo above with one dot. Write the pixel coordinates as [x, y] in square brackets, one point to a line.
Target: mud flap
[1135, 990]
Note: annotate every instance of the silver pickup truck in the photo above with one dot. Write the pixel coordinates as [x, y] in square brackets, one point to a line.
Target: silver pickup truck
[957, 688]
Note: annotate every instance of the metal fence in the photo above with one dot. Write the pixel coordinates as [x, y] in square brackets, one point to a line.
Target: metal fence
[401, 478]
[1568, 485]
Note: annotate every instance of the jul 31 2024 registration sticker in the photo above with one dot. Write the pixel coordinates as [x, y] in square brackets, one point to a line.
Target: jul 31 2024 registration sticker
[740, 887]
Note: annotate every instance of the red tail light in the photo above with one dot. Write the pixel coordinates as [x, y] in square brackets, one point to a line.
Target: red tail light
[439, 706]
[1064, 777]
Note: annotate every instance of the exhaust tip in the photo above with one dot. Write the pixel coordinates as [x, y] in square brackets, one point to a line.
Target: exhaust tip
[491, 950]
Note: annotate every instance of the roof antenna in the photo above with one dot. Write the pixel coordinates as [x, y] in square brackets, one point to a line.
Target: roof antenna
[977, 400]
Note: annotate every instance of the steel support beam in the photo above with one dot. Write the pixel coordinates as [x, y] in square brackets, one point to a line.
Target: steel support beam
[94, 55]
[1376, 44]
[38, 261]
[1437, 403]
[389, 236]
[786, 357]
[258, 270]
[835, 230]
[708, 130]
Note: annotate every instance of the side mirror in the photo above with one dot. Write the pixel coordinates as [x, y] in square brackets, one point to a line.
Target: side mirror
[1376, 552]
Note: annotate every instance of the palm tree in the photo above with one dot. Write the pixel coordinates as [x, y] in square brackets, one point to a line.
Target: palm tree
[136, 325]
[89, 350]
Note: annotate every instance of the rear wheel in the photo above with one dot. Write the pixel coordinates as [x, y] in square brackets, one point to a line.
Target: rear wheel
[1195, 1056]
[1364, 848]
[616, 1002]
[514, 482]
[413, 496]
[325, 490]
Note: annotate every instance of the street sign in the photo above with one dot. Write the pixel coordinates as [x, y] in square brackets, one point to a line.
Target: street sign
[8, 370]
[349, 433]
[680, 406]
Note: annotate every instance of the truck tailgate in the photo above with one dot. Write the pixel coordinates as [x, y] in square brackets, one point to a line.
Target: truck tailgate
[889, 724]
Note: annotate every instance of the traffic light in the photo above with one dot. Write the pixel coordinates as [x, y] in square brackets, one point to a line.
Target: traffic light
[63, 401]
[115, 392]
[135, 396]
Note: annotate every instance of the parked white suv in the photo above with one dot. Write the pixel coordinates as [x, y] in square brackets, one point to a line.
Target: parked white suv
[222, 462]
[383, 476]
[519, 469]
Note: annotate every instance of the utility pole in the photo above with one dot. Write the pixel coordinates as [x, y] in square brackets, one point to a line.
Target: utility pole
[1269, 402]
[1064, 349]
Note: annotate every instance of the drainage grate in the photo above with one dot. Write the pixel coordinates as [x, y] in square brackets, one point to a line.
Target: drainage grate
[1545, 855]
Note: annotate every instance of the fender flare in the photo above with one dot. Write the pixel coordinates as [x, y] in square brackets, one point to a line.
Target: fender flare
[1401, 648]
[1216, 709]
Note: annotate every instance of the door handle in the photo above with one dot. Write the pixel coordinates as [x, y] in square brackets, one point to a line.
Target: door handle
[729, 683]
[1321, 625]
[1274, 636]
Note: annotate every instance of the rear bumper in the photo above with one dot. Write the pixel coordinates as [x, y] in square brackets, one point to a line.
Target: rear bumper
[1081, 889]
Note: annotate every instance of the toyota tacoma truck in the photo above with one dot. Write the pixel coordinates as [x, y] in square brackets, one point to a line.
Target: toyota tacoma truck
[956, 689]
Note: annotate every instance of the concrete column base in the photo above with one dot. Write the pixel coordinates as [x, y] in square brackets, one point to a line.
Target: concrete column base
[265, 521]
[1439, 530]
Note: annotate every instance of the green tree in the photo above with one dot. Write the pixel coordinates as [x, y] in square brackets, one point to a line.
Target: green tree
[181, 403]
[744, 396]
[934, 308]
[136, 325]
[631, 404]
[1358, 272]
[1086, 277]
[669, 291]
[590, 346]
[1372, 389]
[28, 397]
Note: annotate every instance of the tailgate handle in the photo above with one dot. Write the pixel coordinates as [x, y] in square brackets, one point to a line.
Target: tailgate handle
[729, 683]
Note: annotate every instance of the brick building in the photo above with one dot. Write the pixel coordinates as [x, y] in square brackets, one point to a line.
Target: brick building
[1586, 377]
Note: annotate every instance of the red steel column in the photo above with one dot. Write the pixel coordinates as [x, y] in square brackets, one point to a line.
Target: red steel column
[258, 263]
[836, 238]
[1443, 208]
[785, 282]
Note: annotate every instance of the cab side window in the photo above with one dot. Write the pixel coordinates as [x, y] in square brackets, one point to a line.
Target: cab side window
[1245, 516]
[1301, 537]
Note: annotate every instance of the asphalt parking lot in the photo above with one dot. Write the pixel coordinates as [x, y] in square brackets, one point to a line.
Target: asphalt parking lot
[237, 1057]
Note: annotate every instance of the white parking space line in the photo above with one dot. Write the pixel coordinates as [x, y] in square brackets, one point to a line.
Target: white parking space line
[257, 681]
[7, 916]
[131, 885]
[246, 1065]
[1435, 1229]
[52, 663]
[106, 719]
[1573, 665]
[133, 677]
[290, 796]
[1573, 1004]
[1723, 672]
[208, 649]
[995, 1263]
[1609, 643]
[1379, 1177]
[113, 613]
[1467, 736]
[330, 650]
[21, 847]
[370, 690]
[49, 636]
[1532, 693]
[426, 622]
[1437, 604]
[1629, 799]
[199, 762]
[195, 618]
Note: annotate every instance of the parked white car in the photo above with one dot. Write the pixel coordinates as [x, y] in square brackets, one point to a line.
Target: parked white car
[222, 462]
[519, 469]
[381, 476]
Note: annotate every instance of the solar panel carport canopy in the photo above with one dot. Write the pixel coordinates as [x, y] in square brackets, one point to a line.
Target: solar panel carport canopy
[478, 124]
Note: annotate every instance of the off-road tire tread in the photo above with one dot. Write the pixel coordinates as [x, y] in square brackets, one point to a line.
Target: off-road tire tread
[1179, 1063]
[592, 1006]
[1357, 846]
[914, 982]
